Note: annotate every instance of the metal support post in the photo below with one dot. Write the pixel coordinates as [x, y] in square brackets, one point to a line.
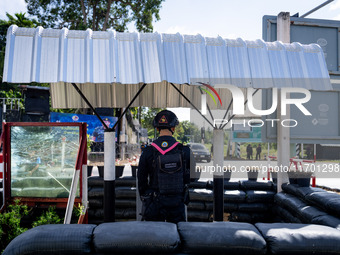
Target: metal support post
[109, 175]
[283, 133]
[218, 174]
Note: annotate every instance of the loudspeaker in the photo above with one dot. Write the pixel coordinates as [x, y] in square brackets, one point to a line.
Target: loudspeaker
[37, 100]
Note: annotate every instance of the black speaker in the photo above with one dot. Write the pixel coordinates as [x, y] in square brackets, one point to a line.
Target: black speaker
[37, 100]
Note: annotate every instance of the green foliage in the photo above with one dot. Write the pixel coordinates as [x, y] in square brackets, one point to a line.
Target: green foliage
[147, 116]
[187, 132]
[10, 223]
[48, 217]
[79, 210]
[97, 15]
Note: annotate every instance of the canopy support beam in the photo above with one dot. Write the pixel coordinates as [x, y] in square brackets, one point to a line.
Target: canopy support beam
[212, 117]
[89, 104]
[187, 99]
[231, 117]
[109, 158]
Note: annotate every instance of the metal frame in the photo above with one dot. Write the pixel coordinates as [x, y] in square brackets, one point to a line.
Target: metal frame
[268, 21]
[81, 160]
[271, 137]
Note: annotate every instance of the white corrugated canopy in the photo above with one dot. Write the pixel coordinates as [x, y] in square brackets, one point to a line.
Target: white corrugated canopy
[111, 66]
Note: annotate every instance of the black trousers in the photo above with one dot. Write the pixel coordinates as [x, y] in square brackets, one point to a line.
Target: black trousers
[169, 209]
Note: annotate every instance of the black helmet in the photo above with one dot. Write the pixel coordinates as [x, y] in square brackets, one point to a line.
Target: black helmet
[165, 119]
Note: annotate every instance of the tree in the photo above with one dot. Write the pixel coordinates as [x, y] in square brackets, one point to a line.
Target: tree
[95, 14]
[147, 116]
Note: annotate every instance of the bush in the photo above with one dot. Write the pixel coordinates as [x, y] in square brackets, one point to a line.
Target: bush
[10, 223]
[48, 217]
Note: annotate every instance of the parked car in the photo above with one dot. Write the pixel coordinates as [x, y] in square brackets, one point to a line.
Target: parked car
[200, 152]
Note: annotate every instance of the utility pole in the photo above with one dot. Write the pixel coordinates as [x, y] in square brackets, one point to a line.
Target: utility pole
[283, 133]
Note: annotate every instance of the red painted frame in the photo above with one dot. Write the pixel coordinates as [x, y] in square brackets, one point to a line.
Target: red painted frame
[81, 160]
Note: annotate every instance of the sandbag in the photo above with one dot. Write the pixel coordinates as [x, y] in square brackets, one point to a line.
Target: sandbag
[228, 207]
[126, 192]
[126, 203]
[333, 205]
[285, 215]
[231, 185]
[221, 238]
[327, 220]
[283, 238]
[253, 207]
[308, 213]
[196, 205]
[53, 239]
[262, 196]
[234, 196]
[126, 181]
[198, 185]
[195, 215]
[136, 237]
[289, 202]
[125, 213]
[228, 185]
[96, 192]
[250, 217]
[254, 185]
[328, 201]
[95, 181]
[290, 188]
[302, 192]
[201, 195]
[96, 202]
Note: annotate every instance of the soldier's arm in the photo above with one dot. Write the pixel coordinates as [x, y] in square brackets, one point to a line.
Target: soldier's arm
[190, 164]
[143, 173]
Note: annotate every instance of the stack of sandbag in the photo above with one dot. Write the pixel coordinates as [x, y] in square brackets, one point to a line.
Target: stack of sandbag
[248, 201]
[256, 203]
[308, 205]
[125, 199]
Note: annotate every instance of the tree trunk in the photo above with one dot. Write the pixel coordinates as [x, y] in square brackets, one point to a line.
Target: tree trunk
[107, 14]
[84, 12]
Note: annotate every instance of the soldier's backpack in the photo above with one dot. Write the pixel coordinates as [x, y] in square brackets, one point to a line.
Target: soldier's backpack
[169, 165]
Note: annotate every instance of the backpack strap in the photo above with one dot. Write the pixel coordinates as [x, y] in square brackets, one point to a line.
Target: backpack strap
[164, 151]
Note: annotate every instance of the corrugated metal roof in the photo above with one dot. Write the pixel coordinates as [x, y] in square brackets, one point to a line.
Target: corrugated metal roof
[52, 55]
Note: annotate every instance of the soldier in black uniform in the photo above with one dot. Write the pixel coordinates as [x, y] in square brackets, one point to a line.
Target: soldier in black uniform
[164, 172]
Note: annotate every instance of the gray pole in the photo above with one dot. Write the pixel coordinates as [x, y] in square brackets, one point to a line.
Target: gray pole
[283, 133]
[218, 143]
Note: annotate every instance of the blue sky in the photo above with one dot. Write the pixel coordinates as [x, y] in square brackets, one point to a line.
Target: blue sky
[225, 18]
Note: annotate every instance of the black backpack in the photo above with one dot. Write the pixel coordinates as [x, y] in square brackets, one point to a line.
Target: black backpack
[169, 166]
